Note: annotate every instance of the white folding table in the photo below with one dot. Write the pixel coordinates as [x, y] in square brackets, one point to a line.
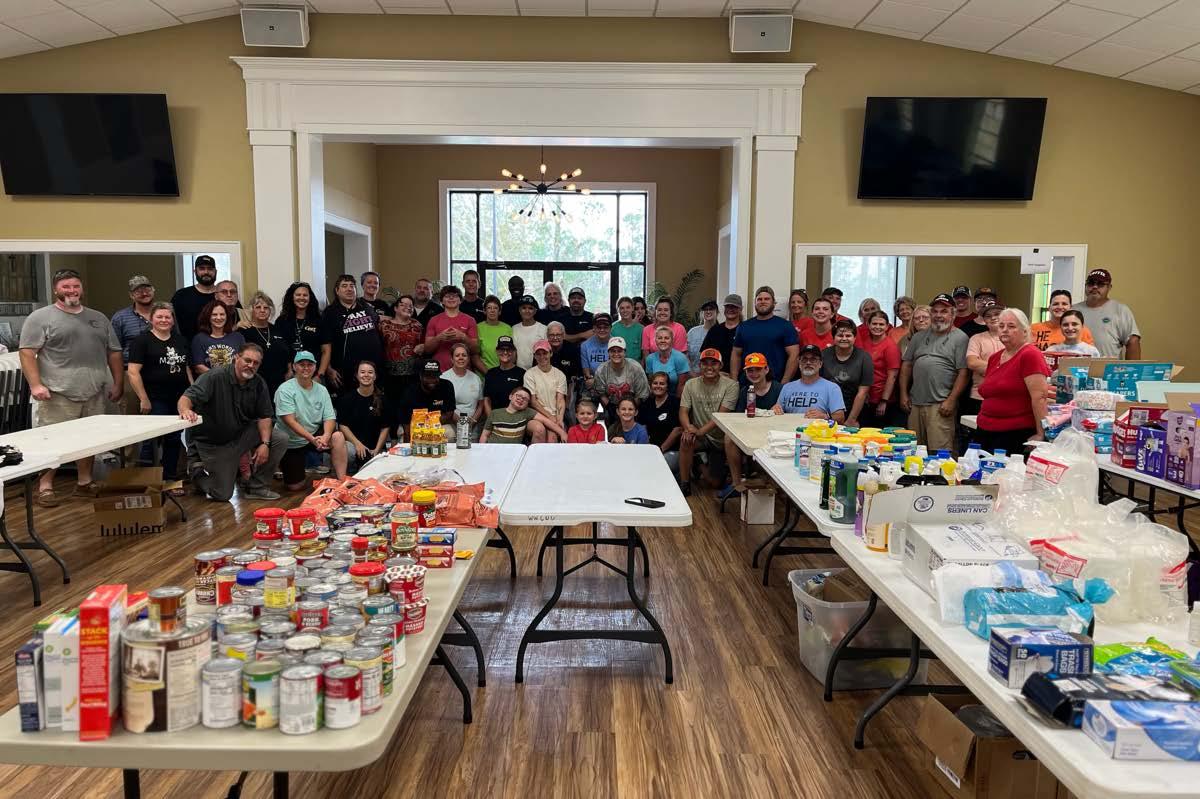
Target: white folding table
[750, 433]
[238, 748]
[1069, 754]
[30, 465]
[567, 484]
[494, 465]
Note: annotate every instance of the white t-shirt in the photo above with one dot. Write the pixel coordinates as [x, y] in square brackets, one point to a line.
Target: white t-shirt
[1112, 324]
[1082, 349]
[546, 386]
[468, 390]
[524, 337]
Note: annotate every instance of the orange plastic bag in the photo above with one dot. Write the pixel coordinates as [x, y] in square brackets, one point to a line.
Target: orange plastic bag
[371, 492]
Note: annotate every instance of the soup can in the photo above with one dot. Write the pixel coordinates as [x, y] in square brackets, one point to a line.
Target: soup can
[278, 627]
[343, 696]
[303, 643]
[378, 605]
[301, 521]
[304, 583]
[339, 564]
[229, 552]
[340, 637]
[301, 700]
[369, 575]
[324, 658]
[238, 645]
[283, 560]
[343, 615]
[393, 626]
[339, 580]
[321, 574]
[279, 588]
[398, 561]
[321, 592]
[407, 585]
[352, 596]
[312, 613]
[226, 579]
[404, 529]
[160, 685]
[381, 640]
[166, 610]
[260, 694]
[269, 649]
[414, 617]
[221, 693]
[206, 565]
[369, 660]
[244, 559]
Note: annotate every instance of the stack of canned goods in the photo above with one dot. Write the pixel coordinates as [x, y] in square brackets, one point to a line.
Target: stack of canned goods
[406, 584]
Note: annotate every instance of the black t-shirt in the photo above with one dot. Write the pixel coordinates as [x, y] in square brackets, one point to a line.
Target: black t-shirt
[277, 354]
[498, 384]
[548, 315]
[431, 310]
[301, 334]
[577, 324]
[474, 309]
[441, 399]
[354, 335]
[567, 360]
[973, 327]
[764, 401]
[510, 312]
[381, 307]
[164, 365]
[355, 411]
[188, 302]
[720, 338]
[659, 420]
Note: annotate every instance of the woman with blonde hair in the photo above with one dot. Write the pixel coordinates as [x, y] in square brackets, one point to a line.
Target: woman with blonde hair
[1013, 388]
[919, 319]
[903, 309]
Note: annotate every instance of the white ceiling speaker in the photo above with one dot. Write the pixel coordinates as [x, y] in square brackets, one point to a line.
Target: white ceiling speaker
[278, 23]
[760, 33]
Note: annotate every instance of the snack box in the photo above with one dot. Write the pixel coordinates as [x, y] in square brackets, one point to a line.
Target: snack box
[435, 551]
[436, 562]
[101, 619]
[31, 694]
[61, 665]
[1014, 653]
[1139, 730]
[436, 535]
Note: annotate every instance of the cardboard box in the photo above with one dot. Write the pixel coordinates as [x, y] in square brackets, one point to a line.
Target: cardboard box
[758, 506]
[131, 502]
[845, 586]
[1183, 446]
[1014, 653]
[61, 665]
[101, 619]
[1136, 730]
[1131, 416]
[31, 694]
[1111, 374]
[1150, 458]
[976, 764]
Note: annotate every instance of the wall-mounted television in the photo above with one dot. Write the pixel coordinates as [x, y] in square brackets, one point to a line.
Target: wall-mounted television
[950, 148]
[96, 145]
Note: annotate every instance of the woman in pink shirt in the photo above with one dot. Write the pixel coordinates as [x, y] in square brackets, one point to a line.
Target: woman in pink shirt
[449, 328]
[980, 348]
[664, 314]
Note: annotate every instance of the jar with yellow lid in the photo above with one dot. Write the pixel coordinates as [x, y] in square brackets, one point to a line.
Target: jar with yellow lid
[425, 504]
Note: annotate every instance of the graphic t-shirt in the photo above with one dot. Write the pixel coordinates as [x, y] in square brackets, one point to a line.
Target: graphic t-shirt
[214, 352]
[508, 427]
[498, 384]
[800, 397]
[164, 365]
[659, 420]
[356, 412]
[1044, 335]
[567, 360]
[441, 400]
[400, 340]
[301, 334]
[473, 308]
[850, 374]
[353, 336]
[594, 352]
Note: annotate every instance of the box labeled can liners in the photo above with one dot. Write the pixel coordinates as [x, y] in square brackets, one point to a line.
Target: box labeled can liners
[1136, 730]
[1014, 653]
[101, 619]
[31, 696]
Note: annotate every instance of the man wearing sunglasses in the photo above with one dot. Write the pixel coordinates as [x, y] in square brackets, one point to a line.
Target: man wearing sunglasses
[1112, 324]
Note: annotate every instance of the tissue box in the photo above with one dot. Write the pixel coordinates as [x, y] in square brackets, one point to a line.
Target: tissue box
[1151, 454]
[1134, 730]
[929, 547]
[1015, 653]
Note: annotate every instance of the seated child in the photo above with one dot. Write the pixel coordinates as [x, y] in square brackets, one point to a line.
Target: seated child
[586, 430]
[625, 429]
[511, 424]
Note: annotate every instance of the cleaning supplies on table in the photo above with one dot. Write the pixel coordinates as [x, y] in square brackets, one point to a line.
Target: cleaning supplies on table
[1019, 598]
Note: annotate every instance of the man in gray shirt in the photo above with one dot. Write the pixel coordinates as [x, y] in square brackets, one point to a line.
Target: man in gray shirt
[1111, 322]
[933, 376]
[72, 361]
[238, 418]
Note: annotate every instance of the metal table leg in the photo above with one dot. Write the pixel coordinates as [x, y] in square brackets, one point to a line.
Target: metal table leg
[35, 542]
[788, 524]
[502, 542]
[279, 785]
[467, 638]
[132, 782]
[593, 540]
[440, 658]
[914, 662]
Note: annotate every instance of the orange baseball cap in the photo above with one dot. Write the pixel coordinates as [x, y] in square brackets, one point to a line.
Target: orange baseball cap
[756, 359]
[710, 354]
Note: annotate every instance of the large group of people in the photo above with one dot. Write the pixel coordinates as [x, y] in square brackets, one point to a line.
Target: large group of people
[280, 394]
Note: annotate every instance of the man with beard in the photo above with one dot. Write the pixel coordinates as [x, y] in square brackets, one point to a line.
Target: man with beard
[1111, 322]
[934, 375]
[134, 319]
[351, 331]
[768, 334]
[72, 361]
[238, 417]
[812, 396]
[424, 308]
[190, 300]
[578, 322]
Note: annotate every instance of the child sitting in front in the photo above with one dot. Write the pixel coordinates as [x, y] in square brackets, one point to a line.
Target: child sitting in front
[587, 430]
[626, 430]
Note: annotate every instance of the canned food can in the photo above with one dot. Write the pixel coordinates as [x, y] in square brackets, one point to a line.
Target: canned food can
[404, 529]
[414, 617]
[339, 580]
[378, 605]
[347, 617]
[206, 565]
[369, 661]
[323, 573]
[312, 613]
[393, 625]
[323, 592]
[279, 587]
[343, 697]
[310, 559]
[352, 596]
[304, 582]
[221, 693]
[303, 643]
[246, 558]
[339, 637]
[226, 579]
[406, 584]
[229, 552]
[273, 627]
[339, 564]
[368, 575]
[399, 561]
[286, 659]
[382, 641]
[324, 658]
[284, 560]
[269, 520]
[301, 521]
[160, 675]
[269, 649]
[166, 609]
[238, 645]
[237, 625]
[301, 700]
[260, 694]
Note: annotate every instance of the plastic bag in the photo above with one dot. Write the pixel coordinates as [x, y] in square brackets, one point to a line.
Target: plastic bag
[1151, 658]
[1023, 598]
[1067, 463]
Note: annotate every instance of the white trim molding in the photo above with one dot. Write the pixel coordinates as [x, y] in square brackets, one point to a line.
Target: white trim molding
[139, 246]
[464, 102]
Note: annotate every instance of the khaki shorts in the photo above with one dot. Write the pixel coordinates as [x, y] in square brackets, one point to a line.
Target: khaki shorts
[63, 409]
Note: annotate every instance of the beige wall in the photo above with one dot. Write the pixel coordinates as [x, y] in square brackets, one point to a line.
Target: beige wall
[686, 218]
[352, 187]
[935, 274]
[1118, 165]
[106, 276]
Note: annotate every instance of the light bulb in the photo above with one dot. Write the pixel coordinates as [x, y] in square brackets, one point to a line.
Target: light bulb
[506, 173]
[520, 176]
[543, 168]
[513, 187]
[563, 176]
[585, 191]
[497, 191]
[577, 173]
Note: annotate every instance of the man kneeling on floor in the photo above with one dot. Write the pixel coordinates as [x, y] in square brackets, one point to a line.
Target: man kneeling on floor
[237, 418]
[306, 415]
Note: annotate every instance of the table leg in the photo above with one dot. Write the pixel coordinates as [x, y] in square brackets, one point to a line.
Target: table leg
[467, 638]
[594, 540]
[440, 658]
[914, 662]
[839, 650]
[788, 525]
[545, 545]
[502, 542]
[555, 534]
[132, 782]
[635, 542]
[235, 790]
[279, 785]
[25, 565]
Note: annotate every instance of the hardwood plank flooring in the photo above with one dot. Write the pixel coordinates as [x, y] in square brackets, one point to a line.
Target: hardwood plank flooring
[594, 718]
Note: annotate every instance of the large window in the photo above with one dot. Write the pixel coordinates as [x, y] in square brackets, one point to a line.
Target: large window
[598, 242]
[883, 278]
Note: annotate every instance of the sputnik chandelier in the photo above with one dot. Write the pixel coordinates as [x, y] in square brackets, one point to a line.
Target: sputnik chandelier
[545, 193]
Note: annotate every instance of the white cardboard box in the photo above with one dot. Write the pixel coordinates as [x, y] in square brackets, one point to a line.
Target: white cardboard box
[62, 673]
[928, 547]
[758, 506]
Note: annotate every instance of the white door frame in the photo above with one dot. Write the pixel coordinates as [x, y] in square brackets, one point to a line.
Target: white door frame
[294, 103]
[357, 244]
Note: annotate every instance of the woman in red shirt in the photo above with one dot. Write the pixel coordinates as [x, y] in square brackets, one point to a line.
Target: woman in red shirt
[866, 309]
[885, 358]
[798, 310]
[1013, 389]
[820, 332]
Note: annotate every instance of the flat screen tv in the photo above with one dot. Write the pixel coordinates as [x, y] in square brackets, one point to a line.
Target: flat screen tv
[87, 144]
[951, 148]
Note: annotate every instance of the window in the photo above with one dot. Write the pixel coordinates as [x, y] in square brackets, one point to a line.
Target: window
[1041, 297]
[224, 268]
[882, 278]
[598, 242]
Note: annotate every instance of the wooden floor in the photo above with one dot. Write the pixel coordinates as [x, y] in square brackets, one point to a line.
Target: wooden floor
[593, 719]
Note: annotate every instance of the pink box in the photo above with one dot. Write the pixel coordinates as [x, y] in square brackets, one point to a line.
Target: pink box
[1130, 417]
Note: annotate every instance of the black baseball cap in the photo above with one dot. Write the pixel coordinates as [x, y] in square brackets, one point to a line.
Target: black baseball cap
[832, 290]
[431, 368]
[575, 291]
[505, 343]
[962, 291]
[205, 260]
[602, 318]
[943, 298]
[810, 349]
[983, 291]
[709, 304]
[527, 300]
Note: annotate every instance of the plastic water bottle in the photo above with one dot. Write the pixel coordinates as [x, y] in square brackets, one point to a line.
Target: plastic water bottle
[751, 402]
[970, 462]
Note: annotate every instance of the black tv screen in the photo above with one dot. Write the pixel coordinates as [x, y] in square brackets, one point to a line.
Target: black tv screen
[951, 148]
[87, 144]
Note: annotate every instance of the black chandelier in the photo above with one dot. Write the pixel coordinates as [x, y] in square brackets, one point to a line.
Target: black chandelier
[544, 194]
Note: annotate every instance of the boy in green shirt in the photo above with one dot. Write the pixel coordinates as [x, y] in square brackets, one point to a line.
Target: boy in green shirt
[509, 425]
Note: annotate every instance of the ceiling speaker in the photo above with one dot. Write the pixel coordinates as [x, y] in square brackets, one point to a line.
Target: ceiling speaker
[760, 33]
[277, 25]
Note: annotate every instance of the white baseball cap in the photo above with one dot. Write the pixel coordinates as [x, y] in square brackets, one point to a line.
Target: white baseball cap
[616, 341]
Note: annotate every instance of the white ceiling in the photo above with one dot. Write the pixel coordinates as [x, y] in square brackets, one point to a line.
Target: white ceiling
[1148, 41]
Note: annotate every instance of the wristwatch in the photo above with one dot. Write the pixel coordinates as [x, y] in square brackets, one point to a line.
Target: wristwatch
[266, 444]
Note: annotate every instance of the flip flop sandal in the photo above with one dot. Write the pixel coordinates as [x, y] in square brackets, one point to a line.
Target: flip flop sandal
[47, 499]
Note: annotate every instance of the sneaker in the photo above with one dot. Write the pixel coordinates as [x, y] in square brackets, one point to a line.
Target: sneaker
[729, 492]
[259, 493]
[278, 474]
[322, 469]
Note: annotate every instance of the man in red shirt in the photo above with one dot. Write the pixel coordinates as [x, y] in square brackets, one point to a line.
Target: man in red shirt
[449, 328]
[964, 310]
